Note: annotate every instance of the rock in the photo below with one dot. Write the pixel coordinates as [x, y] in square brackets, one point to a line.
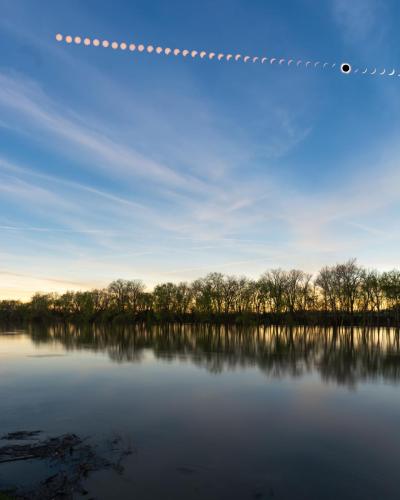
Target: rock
[20, 435]
[67, 453]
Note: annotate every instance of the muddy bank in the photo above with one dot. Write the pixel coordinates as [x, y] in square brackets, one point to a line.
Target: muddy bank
[69, 459]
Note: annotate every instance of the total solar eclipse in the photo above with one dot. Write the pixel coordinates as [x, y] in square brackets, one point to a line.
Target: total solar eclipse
[345, 68]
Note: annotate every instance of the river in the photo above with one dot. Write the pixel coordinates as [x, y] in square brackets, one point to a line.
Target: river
[211, 411]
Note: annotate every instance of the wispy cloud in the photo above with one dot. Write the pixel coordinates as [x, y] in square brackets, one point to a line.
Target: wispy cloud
[360, 20]
[48, 279]
[37, 110]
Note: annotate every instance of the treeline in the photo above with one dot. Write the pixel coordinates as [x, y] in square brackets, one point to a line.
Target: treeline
[341, 294]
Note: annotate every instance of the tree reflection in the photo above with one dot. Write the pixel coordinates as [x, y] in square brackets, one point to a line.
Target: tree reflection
[340, 355]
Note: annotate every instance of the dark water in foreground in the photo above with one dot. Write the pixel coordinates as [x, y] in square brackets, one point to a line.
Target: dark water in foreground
[214, 413]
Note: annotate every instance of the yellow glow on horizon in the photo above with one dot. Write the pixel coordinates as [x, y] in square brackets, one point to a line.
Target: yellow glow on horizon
[21, 287]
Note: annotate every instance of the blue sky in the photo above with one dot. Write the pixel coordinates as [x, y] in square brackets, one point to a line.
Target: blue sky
[117, 164]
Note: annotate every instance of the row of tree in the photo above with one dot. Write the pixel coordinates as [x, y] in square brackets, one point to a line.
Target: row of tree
[340, 293]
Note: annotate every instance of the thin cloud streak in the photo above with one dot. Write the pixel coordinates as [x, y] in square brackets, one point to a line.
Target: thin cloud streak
[44, 278]
[38, 109]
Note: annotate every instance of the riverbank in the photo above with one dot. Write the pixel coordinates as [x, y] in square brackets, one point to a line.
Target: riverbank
[387, 318]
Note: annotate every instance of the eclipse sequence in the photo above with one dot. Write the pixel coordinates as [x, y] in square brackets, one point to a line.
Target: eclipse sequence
[345, 67]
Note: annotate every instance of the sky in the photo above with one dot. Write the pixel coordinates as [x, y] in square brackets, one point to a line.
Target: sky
[117, 164]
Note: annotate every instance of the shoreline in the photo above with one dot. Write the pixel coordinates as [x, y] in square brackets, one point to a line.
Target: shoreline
[313, 319]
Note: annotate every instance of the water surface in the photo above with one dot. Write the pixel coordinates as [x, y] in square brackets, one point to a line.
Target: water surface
[213, 412]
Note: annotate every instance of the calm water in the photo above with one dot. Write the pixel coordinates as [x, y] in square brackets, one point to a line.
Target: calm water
[214, 413]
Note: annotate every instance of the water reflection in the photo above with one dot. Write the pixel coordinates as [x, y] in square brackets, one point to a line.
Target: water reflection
[341, 355]
[273, 428]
